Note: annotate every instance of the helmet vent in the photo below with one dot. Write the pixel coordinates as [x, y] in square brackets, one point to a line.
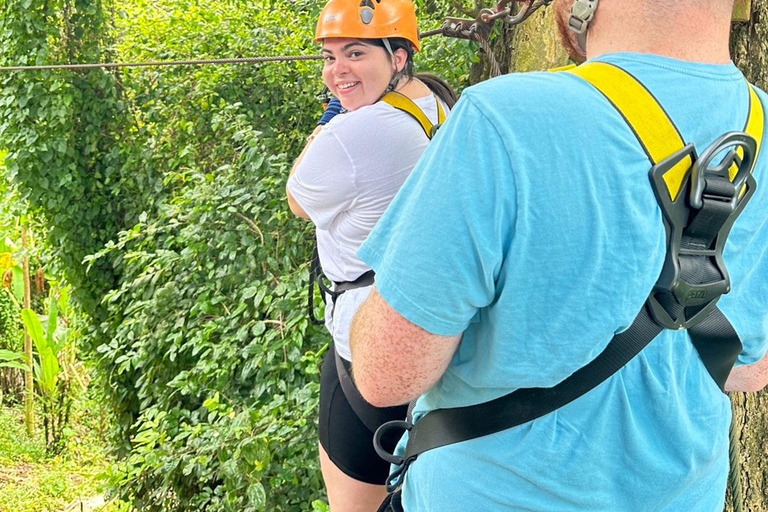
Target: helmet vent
[366, 13]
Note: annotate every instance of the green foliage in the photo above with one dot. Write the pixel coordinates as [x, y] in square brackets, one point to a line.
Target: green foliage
[9, 359]
[213, 341]
[60, 130]
[32, 480]
[53, 380]
[10, 325]
[47, 367]
[169, 183]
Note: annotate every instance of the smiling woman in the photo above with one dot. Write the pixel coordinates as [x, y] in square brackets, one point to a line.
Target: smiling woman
[350, 170]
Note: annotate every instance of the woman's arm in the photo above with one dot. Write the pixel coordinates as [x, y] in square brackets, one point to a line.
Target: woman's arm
[296, 209]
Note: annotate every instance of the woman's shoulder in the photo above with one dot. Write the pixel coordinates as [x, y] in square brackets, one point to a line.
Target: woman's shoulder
[361, 117]
[379, 118]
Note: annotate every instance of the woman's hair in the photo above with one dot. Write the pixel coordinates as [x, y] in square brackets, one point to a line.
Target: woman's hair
[436, 84]
[440, 87]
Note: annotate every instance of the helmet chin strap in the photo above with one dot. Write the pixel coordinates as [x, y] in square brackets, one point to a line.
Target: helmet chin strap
[398, 74]
[582, 13]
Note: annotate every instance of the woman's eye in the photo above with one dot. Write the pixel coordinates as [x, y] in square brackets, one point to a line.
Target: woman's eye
[327, 58]
[356, 54]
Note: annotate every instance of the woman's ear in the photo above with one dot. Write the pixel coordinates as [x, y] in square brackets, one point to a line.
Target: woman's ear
[400, 58]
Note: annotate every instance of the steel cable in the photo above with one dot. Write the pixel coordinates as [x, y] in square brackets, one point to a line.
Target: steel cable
[106, 65]
[495, 69]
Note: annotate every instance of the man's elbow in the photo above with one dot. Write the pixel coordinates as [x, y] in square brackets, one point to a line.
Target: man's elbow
[745, 385]
[749, 378]
[379, 395]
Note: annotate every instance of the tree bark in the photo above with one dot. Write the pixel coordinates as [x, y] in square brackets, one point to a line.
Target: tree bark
[535, 46]
[749, 47]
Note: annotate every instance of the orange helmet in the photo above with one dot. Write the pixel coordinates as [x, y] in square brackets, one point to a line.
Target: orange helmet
[369, 19]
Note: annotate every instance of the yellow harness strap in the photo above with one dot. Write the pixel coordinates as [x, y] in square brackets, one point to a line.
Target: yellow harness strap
[655, 131]
[406, 104]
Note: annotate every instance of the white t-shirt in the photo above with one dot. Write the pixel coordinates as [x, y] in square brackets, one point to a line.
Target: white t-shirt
[346, 180]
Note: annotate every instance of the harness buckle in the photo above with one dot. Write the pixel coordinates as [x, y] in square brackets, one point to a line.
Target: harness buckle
[715, 182]
[582, 12]
[694, 275]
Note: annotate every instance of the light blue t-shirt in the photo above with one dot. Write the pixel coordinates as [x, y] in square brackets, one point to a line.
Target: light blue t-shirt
[531, 226]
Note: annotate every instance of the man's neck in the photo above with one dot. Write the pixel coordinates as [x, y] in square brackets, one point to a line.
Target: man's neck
[692, 34]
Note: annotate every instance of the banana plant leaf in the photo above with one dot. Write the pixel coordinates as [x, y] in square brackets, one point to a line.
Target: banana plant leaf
[48, 369]
[10, 359]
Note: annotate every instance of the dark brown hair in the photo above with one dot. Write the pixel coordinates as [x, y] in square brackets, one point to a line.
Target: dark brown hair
[437, 85]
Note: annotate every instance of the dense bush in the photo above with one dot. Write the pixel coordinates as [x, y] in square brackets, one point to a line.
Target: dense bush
[212, 343]
[10, 321]
[173, 180]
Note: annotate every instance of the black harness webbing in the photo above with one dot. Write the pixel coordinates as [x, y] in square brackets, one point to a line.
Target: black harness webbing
[700, 201]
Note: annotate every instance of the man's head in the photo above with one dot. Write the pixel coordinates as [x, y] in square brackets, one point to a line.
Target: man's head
[643, 24]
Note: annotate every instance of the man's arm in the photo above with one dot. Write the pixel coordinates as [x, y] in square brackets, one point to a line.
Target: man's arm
[395, 361]
[752, 377]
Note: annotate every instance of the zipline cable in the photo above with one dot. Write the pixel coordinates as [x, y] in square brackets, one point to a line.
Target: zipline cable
[244, 60]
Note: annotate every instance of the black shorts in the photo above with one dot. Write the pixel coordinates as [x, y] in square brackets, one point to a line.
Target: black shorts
[346, 439]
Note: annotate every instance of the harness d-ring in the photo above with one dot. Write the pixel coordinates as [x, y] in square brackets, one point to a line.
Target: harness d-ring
[406, 426]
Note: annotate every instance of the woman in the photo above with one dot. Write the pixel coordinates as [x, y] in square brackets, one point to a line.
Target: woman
[343, 181]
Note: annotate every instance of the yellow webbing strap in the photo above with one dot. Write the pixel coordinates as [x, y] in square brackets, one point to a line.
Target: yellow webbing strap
[655, 131]
[755, 124]
[406, 104]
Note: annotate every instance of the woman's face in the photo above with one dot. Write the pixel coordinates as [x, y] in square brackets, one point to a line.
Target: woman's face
[357, 72]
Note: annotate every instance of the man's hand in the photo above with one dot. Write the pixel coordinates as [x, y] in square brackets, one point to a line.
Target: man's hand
[395, 361]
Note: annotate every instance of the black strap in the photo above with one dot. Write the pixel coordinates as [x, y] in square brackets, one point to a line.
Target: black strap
[315, 274]
[718, 345]
[447, 426]
[392, 503]
[316, 277]
[365, 279]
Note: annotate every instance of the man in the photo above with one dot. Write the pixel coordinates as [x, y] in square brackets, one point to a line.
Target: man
[525, 239]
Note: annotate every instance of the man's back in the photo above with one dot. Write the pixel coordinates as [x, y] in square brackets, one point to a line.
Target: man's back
[550, 244]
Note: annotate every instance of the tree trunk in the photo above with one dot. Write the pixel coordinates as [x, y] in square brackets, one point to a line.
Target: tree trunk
[536, 46]
[749, 47]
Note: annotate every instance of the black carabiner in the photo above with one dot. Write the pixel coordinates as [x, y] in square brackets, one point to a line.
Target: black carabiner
[406, 426]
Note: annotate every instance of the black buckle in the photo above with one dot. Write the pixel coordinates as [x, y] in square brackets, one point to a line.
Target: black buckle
[702, 171]
[705, 182]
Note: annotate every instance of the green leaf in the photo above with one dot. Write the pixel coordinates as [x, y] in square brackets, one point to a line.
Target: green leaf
[10, 359]
[34, 328]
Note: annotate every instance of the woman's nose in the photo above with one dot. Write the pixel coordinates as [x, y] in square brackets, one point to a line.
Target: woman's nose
[341, 66]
